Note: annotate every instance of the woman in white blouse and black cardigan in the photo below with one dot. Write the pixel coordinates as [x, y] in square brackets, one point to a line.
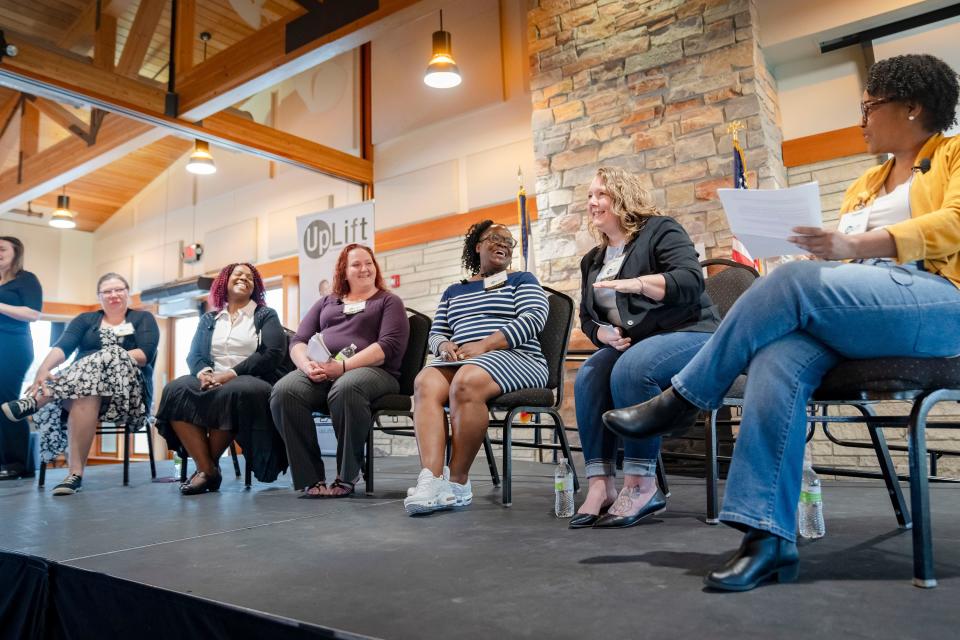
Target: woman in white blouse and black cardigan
[234, 361]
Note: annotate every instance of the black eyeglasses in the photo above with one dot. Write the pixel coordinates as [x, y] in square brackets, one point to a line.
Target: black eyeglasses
[501, 240]
[867, 106]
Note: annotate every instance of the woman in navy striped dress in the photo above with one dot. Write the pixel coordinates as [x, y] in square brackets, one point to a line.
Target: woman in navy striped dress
[484, 337]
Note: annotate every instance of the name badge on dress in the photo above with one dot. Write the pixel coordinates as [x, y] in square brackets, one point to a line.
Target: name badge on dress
[351, 308]
[494, 281]
[854, 222]
[125, 329]
[611, 269]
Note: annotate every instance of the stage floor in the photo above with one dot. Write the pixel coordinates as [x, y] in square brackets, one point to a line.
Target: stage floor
[361, 565]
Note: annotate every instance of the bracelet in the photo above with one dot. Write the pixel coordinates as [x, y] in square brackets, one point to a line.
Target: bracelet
[344, 363]
[642, 285]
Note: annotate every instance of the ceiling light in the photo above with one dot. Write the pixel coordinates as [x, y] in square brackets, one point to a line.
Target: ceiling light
[201, 162]
[442, 71]
[63, 218]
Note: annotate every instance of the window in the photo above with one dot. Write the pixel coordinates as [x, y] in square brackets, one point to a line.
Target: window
[184, 328]
[275, 300]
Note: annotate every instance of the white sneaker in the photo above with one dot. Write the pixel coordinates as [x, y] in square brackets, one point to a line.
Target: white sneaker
[446, 476]
[463, 493]
[431, 494]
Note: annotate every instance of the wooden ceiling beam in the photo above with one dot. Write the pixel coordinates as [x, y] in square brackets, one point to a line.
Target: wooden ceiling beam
[261, 60]
[318, 157]
[84, 25]
[72, 158]
[61, 116]
[7, 110]
[105, 43]
[77, 75]
[29, 131]
[138, 39]
[186, 40]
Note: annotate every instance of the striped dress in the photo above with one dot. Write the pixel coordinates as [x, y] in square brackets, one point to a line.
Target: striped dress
[518, 309]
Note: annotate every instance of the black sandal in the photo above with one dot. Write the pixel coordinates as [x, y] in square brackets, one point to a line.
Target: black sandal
[340, 484]
[208, 483]
[313, 496]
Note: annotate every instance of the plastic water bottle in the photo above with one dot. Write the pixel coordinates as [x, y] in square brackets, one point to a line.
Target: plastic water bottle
[346, 352]
[810, 509]
[563, 490]
[177, 461]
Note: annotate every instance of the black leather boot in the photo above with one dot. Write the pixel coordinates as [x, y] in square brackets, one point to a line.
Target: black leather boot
[761, 555]
[666, 413]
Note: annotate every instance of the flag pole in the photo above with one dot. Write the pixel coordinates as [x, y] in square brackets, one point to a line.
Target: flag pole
[522, 218]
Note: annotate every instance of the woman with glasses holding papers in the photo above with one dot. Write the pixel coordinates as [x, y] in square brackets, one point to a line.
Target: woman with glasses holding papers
[356, 359]
[643, 304]
[897, 296]
[234, 360]
[111, 379]
[484, 337]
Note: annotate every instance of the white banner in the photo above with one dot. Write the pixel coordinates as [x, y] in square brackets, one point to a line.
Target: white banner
[322, 236]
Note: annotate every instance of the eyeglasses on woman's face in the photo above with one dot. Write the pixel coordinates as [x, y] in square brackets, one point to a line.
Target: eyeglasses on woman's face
[869, 106]
[503, 241]
[118, 291]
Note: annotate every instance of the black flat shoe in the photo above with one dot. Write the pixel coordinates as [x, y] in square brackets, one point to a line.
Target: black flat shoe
[761, 555]
[656, 504]
[666, 413]
[207, 483]
[587, 520]
[10, 474]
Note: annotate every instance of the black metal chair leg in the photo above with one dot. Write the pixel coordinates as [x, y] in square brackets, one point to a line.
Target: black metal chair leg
[923, 575]
[507, 462]
[43, 474]
[184, 461]
[247, 473]
[153, 462]
[887, 468]
[491, 460]
[662, 477]
[126, 455]
[368, 473]
[236, 461]
[712, 471]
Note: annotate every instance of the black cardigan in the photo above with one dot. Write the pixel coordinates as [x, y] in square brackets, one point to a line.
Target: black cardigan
[663, 247]
[264, 363]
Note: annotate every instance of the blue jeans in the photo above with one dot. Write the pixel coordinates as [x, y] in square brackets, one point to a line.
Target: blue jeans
[787, 331]
[611, 379]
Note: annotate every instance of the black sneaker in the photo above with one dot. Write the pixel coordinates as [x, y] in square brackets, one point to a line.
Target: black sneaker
[19, 409]
[69, 486]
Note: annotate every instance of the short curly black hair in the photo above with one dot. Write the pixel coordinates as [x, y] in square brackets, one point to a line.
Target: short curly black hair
[920, 78]
[471, 259]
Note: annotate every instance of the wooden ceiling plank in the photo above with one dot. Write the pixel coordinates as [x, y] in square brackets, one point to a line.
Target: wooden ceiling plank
[29, 131]
[84, 25]
[61, 116]
[6, 112]
[138, 40]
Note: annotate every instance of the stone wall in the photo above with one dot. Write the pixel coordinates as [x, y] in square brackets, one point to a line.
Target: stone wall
[649, 86]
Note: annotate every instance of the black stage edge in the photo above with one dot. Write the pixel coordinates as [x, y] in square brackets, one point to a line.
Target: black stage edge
[140, 561]
[42, 600]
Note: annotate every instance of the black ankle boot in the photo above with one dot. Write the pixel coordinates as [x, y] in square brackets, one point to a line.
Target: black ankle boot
[761, 555]
[666, 413]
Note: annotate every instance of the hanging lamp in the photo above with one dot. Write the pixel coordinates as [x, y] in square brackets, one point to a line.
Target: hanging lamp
[442, 71]
[201, 160]
[62, 217]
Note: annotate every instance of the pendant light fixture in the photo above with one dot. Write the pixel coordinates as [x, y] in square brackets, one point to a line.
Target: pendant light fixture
[442, 72]
[201, 161]
[62, 217]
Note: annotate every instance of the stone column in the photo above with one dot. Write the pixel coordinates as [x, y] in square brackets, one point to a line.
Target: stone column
[648, 86]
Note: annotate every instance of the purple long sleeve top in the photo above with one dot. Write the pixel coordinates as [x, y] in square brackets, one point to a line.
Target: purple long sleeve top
[383, 320]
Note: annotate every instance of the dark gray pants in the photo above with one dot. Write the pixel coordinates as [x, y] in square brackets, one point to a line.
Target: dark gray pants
[346, 400]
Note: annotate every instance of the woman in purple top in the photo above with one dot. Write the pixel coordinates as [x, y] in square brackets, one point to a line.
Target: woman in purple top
[359, 313]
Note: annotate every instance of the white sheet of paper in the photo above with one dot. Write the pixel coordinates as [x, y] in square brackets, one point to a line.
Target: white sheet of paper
[763, 219]
[317, 349]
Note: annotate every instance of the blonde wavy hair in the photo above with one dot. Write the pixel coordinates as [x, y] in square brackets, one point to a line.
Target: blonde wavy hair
[632, 204]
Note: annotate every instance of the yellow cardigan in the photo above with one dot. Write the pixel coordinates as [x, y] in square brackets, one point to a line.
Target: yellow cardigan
[932, 233]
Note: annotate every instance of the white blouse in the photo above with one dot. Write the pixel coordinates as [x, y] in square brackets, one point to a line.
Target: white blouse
[234, 340]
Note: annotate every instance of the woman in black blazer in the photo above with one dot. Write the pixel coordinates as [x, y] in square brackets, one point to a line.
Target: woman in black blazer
[643, 304]
[234, 360]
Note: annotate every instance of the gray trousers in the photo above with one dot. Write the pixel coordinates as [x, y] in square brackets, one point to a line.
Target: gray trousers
[346, 400]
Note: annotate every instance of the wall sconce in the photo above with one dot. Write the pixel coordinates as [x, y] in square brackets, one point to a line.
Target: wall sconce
[63, 218]
[201, 161]
[442, 71]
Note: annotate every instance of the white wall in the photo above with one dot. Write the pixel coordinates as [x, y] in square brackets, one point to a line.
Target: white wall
[60, 259]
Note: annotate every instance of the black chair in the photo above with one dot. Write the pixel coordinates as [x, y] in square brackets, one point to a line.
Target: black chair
[548, 400]
[924, 383]
[109, 428]
[400, 404]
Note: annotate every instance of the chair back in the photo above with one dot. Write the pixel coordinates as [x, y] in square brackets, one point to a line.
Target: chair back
[726, 286]
[416, 353]
[555, 337]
